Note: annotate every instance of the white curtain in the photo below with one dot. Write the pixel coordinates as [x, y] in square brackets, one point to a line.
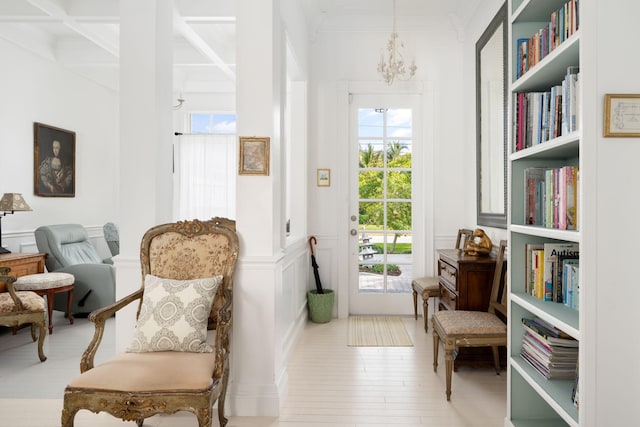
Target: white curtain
[205, 178]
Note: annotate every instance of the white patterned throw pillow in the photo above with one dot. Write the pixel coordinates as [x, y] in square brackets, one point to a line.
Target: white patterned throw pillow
[174, 314]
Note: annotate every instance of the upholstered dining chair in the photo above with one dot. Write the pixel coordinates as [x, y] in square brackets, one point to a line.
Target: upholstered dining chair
[428, 287]
[462, 328]
[172, 364]
[21, 308]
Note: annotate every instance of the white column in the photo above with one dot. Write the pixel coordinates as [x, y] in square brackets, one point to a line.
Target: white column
[255, 387]
[145, 139]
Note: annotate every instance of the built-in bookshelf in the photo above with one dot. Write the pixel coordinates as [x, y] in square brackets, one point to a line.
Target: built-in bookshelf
[545, 139]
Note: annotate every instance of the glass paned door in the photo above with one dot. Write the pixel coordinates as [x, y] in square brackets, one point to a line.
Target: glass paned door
[384, 138]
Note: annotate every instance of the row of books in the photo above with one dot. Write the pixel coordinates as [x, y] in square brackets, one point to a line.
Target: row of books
[563, 23]
[553, 353]
[551, 197]
[552, 272]
[542, 116]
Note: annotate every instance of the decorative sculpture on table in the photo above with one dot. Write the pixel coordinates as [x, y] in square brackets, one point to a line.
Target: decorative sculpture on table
[478, 244]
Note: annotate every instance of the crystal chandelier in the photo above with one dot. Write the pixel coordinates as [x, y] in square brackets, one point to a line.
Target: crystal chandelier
[393, 68]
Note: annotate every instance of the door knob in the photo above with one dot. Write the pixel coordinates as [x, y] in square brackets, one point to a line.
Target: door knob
[354, 232]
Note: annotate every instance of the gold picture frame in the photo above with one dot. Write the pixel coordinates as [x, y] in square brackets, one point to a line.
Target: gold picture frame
[621, 115]
[254, 155]
[323, 177]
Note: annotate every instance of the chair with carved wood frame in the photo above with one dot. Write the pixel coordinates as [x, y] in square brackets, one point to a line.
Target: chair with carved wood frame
[429, 287]
[133, 386]
[462, 328]
[21, 308]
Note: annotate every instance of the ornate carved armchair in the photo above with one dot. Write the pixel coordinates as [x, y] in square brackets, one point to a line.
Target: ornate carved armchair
[21, 308]
[187, 271]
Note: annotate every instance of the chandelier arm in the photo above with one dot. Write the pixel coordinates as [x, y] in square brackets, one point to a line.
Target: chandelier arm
[395, 68]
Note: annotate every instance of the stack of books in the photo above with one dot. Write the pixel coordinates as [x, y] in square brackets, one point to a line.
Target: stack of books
[551, 197]
[562, 24]
[552, 272]
[553, 353]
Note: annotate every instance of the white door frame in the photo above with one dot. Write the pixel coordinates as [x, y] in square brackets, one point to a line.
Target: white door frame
[423, 175]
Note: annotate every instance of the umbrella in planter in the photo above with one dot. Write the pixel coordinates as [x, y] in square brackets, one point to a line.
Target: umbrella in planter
[314, 264]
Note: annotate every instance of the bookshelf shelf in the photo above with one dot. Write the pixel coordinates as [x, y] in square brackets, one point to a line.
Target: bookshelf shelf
[556, 393]
[552, 68]
[567, 146]
[550, 233]
[534, 399]
[534, 10]
[558, 314]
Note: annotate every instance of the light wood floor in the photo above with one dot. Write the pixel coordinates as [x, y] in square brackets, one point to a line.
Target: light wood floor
[330, 384]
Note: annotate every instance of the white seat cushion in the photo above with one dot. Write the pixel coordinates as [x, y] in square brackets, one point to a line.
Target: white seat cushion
[38, 282]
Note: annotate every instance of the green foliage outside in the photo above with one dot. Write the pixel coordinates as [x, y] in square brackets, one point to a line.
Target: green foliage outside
[398, 187]
[392, 269]
[399, 249]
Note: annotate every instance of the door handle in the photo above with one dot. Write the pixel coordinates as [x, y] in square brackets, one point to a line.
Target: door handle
[354, 232]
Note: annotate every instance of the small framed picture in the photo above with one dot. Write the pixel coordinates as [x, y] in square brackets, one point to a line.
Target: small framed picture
[323, 177]
[622, 115]
[54, 161]
[254, 155]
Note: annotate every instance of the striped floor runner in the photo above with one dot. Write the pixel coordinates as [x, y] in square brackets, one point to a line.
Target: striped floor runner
[378, 331]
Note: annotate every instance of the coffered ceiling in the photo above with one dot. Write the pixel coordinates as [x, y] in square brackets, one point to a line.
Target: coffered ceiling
[83, 35]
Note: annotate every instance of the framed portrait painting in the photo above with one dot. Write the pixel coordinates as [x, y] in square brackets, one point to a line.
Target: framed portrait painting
[54, 161]
[254, 155]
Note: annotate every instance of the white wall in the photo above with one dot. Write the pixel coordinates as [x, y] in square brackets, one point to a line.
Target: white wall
[37, 90]
[609, 173]
[343, 59]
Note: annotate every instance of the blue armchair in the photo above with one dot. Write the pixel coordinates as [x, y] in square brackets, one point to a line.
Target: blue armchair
[69, 250]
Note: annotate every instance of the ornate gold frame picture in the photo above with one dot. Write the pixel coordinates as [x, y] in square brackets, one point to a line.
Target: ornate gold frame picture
[622, 115]
[254, 155]
[54, 168]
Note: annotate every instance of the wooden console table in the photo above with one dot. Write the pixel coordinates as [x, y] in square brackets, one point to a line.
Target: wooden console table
[22, 264]
[465, 284]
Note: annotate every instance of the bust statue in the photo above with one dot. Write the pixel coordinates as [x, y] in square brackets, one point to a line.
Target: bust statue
[478, 244]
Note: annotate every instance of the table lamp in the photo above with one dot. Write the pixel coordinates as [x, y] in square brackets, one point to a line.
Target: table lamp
[10, 203]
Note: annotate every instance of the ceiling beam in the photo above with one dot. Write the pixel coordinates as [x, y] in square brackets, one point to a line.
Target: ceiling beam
[103, 39]
[200, 45]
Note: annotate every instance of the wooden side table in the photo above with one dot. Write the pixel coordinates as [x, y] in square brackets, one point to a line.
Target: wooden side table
[22, 264]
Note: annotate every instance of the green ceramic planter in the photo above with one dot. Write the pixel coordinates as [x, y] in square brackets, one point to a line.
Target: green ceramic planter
[320, 305]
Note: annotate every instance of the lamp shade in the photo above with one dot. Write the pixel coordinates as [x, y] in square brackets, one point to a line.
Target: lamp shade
[13, 202]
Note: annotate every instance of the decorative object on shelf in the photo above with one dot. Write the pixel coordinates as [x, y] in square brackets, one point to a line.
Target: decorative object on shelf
[491, 123]
[621, 115]
[254, 155]
[10, 203]
[478, 244]
[54, 161]
[323, 178]
[393, 67]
